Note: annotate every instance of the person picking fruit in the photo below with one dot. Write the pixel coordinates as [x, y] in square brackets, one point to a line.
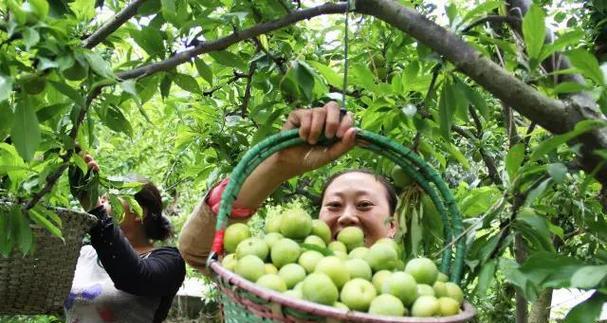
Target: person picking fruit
[122, 276]
[354, 198]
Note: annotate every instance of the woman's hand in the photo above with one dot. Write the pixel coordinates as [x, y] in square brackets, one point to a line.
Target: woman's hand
[297, 160]
[312, 123]
[91, 163]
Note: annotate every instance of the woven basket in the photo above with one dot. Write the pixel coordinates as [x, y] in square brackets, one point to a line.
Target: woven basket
[243, 301]
[39, 283]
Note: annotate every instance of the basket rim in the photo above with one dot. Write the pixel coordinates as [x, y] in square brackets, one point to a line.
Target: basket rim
[327, 311]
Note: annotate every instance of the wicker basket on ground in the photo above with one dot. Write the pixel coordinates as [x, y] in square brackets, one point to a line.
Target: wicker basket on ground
[243, 301]
[39, 282]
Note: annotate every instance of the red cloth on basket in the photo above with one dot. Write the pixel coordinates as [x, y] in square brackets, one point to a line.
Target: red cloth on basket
[214, 201]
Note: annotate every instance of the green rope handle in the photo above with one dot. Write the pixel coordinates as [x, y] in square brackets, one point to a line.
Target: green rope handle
[412, 164]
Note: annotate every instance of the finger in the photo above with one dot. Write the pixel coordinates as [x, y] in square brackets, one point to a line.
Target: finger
[345, 124]
[88, 158]
[344, 145]
[293, 120]
[332, 121]
[305, 122]
[318, 121]
[93, 165]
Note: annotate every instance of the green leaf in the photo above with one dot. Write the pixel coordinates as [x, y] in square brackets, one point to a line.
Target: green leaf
[26, 130]
[6, 86]
[362, 76]
[514, 159]
[69, 92]
[475, 99]
[150, 39]
[133, 204]
[589, 276]
[229, 59]
[17, 12]
[25, 237]
[165, 86]
[117, 207]
[546, 269]
[455, 153]
[130, 87]
[551, 144]
[569, 38]
[569, 87]
[99, 65]
[451, 11]
[588, 311]
[84, 9]
[115, 120]
[540, 230]
[485, 277]
[557, 171]
[587, 64]
[6, 243]
[481, 9]
[478, 201]
[45, 223]
[537, 191]
[46, 113]
[41, 7]
[305, 79]
[328, 73]
[187, 83]
[30, 37]
[204, 70]
[445, 113]
[534, 29]
[149, 7]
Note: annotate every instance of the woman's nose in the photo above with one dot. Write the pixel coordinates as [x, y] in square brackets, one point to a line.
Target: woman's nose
[348, 217]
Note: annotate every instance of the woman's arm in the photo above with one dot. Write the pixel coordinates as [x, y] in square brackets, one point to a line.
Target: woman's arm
[159, 274]
[196, 237]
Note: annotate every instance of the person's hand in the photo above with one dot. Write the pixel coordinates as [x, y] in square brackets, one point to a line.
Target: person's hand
[91, 163]
[297, 160]
[312, 123]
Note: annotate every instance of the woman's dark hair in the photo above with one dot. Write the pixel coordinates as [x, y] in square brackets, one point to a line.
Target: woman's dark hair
[157, 227]
[390, 192]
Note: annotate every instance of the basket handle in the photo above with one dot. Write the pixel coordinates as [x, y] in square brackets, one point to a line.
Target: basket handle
[410, 162]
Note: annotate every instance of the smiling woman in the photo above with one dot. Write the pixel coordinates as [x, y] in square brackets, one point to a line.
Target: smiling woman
[361, 198]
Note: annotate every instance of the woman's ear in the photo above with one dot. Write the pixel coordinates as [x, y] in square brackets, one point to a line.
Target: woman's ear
[392, 228]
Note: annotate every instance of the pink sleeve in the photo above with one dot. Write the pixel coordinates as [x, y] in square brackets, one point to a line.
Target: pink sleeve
[214, 200]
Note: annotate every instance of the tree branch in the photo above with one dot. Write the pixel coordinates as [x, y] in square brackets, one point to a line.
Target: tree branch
[109, 27]
[235, 37]
[247, 91]
[554, 115]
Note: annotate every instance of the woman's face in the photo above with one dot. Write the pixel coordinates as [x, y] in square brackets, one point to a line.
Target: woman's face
[358, 199]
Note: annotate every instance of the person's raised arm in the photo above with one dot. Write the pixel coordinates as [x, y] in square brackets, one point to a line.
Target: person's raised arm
[197, 234]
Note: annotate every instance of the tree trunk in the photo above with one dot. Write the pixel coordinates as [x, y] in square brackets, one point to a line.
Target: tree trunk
[540, 310]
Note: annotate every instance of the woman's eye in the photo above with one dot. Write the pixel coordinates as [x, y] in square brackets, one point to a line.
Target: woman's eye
[334, 205]
[365, 204]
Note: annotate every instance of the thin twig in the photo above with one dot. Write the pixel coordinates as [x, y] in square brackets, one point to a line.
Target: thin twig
[109, 27]
[247, 91]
